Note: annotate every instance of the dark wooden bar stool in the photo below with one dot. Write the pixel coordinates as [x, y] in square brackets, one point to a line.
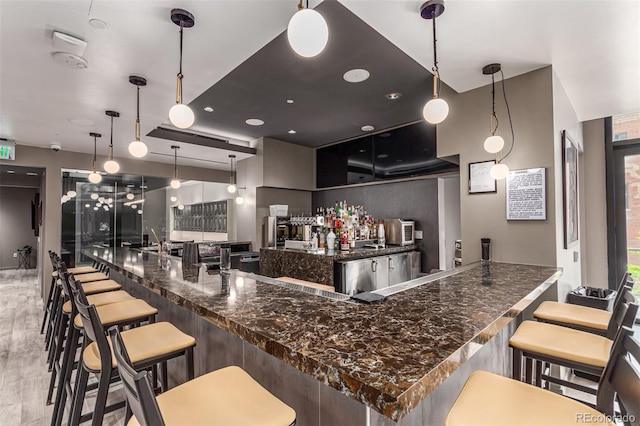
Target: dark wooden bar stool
[228, 396]
[149, 345]
[489, 399]
[563, 346]
[123, 313]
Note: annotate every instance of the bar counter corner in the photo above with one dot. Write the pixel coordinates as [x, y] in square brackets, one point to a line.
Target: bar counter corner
[401, 361]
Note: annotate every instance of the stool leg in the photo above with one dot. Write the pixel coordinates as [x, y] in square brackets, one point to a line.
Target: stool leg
[55, 311]
[517, 364]
[47, 308]
[528, 371]
[101, 397]
[56, 359]
[164, 373]
[78, 394]
[190, 372]
[65, 374]
[539, 367]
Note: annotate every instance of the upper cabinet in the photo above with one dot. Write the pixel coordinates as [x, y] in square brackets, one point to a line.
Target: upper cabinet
[399, 153]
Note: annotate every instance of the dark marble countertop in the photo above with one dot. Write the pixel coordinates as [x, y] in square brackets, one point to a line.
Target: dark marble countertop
[351, 254]
[389, 355]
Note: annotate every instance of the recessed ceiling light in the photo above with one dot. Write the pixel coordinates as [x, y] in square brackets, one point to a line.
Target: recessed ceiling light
[367, 128]
[363, 150]
[356, 75]
[399, 160]
[97, 23]
[254, 122]
[143, 186]
[208, 109]
[31, 174]
[383, 155]
[131, 185]
[393, 96]
[289, 101]
[385, 135]
[11, 171]
[81, 121]
[292, 132]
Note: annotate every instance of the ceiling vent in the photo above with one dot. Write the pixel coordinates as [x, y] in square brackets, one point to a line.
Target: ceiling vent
[68, 50]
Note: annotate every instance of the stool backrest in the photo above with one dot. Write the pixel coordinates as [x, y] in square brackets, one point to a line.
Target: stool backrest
[621, 380]
[620, 316]
[626, 281]
[140, 396]
[93, 329]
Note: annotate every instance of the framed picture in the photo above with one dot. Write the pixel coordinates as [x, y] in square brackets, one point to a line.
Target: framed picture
[527, 194]
[480, 179]
[569, 189]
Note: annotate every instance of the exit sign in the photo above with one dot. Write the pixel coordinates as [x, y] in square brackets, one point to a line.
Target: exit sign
[7, 150]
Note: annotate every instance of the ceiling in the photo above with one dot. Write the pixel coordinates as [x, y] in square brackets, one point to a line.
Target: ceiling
[594, 48]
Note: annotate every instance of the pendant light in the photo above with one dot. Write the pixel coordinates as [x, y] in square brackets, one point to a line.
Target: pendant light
[494, 144]
[175, 183]
[111, 165]
[307, 32]
[180, 114]
[239, 199]
[136, 148]
[95, 177]
[232, 179]
[436, 110]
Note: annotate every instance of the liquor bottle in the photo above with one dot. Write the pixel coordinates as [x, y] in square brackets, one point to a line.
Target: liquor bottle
[331, 240]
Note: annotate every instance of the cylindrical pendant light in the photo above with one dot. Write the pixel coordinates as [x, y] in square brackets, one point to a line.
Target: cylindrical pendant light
[137, 148]
[95, 177]
[232, 179]
[180, 114]
[307, 32]
[111, 165]
[175, 183]
[435, 110]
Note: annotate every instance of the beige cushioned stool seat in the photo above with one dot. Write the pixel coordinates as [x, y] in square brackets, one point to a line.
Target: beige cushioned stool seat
[228, 397]
[143, 343]
[121, 311]
[100, 286]
[489, 399]
[562, 342]
[93, 276]
[82, 270]
[568, 313]
[100, 299]
[306, 283]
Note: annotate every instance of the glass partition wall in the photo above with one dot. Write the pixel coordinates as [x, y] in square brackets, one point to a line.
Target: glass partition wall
[141, 211]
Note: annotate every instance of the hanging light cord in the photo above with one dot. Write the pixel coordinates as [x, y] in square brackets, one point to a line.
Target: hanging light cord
[175, 163]
[137, 115]
[95, 148]
[111, 141]
[436, 71]
[493, 129]
[513, 136]
[179, 86]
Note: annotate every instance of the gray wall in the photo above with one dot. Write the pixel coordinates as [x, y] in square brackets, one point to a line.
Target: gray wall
[298, 202]
[15, 219]
[414, 200]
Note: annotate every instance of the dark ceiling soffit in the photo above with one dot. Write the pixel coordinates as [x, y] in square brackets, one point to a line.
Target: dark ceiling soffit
[195, 139]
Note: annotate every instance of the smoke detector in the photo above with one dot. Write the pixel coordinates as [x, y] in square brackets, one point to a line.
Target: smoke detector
[70, 60]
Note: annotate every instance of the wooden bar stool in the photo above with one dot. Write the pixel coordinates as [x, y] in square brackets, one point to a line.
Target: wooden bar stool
[148, 345]
[582, 317]
[128, 312]
[228, 396]
[579, 350]
[489, 399]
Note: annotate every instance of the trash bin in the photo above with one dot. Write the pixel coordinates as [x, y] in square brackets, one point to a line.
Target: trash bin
[593, 297]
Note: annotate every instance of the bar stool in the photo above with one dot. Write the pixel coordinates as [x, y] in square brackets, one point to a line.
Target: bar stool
[148, 345]
[228, 396]
[579, 350]
[582, 317]
[489, 399]
[128, 312]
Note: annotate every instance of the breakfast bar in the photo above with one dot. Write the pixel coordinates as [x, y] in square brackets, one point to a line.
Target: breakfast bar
[333, 360]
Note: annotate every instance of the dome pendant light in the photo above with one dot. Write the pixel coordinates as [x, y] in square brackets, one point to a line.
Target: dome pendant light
[232, 179]
[175, 183]
[95, 177]
[494, 144]
[307, 32]
[111, 165]
[136, 148]
[180, 114]
[436, 110]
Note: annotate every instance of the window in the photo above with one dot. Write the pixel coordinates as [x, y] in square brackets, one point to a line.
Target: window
[626, 126]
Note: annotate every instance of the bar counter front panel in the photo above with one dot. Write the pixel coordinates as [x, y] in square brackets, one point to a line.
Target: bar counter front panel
[405, 358]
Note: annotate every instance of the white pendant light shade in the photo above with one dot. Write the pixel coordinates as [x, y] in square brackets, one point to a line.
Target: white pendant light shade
[173, 198]
[499, 171]
[181, 116]
[71, 193]
[493, 144]
[130, 196]
[239, 200]
[307, 33]
[95, 177]
[139, 211]
[94, 196]
[175, 184]
[111, 166]
[232, 188]
[65, 198]
[138, 149]
[435, 111]
[180, 206]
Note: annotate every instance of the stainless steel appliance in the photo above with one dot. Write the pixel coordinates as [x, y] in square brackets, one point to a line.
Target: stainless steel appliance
[277, 230]
[373, 273]
[400, 232]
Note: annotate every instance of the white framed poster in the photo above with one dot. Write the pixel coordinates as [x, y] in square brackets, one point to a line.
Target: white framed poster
[526, 194]
[480, 179]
